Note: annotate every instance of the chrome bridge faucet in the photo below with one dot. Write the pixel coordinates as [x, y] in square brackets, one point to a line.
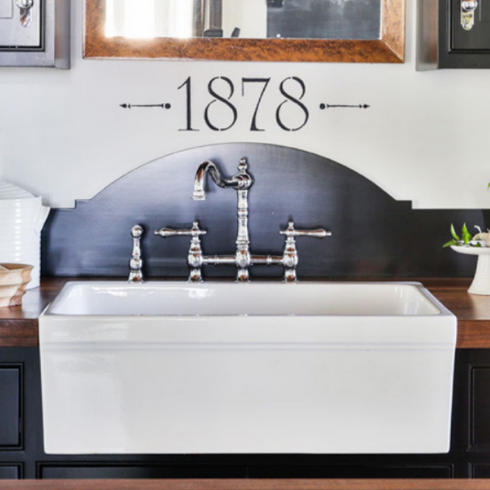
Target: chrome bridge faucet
[242, 258]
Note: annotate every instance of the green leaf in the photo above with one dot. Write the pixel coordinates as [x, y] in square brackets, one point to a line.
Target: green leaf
[465, 234]
[453, 233]
[451, 242]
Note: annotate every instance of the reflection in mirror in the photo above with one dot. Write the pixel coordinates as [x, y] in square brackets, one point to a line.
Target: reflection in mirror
[149, 18]
[324, 19]
[247, 19]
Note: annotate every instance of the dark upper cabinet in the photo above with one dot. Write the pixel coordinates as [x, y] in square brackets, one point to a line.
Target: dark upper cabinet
[443, 41]
[35, 33]
[477, 37]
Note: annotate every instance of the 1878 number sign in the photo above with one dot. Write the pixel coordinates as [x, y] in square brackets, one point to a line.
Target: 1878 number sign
[223, 92]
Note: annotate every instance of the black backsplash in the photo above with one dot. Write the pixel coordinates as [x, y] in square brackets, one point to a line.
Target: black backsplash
[373, 235]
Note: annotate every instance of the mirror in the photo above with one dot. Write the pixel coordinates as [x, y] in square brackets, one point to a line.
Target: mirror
[247, 30]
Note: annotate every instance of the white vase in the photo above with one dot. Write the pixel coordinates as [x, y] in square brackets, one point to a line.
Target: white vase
[22, 217]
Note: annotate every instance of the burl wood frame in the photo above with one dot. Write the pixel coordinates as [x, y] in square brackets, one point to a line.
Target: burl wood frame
[390, 48]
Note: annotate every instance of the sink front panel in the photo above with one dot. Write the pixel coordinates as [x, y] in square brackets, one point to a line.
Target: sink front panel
[246, 399]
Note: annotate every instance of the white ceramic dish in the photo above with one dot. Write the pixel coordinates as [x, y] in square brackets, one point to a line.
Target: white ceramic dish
[246, 368]
[481, 281]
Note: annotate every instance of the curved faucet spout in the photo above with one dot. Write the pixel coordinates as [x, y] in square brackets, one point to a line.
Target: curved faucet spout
[241, 181]
[210, 167]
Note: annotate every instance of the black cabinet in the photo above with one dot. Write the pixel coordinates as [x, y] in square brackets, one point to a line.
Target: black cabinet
[443, 42]
[134, 470]
[10, 472]
[476, 39]
[354, 470]
[10, 406]
[479, 420]
[22, 454]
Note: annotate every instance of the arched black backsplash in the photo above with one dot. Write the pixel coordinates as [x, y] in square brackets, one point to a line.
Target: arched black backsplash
[373, 235]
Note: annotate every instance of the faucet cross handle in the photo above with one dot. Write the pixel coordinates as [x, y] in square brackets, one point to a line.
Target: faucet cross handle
[290, 256]
[136, 262]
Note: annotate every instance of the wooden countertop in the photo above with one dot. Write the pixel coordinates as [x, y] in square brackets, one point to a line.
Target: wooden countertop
[19, 325]
[251, 484]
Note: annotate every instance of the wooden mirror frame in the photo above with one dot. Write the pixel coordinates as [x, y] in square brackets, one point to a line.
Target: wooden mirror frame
[389, 49]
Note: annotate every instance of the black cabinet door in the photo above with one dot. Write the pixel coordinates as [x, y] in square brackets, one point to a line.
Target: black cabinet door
[10, 472]
[10, 379]
[442, 42]
[478, 37]
[353, 471]
[131, 471]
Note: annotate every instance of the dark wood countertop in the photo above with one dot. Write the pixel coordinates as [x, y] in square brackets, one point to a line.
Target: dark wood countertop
[250, 484]
[19, 324]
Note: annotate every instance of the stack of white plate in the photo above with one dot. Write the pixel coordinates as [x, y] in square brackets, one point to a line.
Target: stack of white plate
[22, 217]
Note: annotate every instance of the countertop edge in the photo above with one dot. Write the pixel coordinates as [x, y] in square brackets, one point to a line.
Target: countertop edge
[250, 484]
[19, 325]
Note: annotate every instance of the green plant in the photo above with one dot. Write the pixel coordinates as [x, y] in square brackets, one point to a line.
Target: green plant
[465, 238]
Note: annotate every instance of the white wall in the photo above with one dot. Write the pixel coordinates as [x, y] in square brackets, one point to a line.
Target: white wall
[425, 137]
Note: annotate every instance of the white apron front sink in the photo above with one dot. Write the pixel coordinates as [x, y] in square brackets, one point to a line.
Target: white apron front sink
[167, 367]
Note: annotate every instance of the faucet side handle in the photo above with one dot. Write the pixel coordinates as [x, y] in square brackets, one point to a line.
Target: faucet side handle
[290, 256]
[194, 255]
[195, 231]
[136, 262]
[292, 232]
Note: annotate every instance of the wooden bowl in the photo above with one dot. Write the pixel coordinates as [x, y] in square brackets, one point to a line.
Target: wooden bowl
[13, 281]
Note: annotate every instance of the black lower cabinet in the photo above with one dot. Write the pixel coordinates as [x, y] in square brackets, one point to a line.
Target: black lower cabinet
[22, 454]
[131, 470]
[352, 471]
[10, 406]
[10, 471]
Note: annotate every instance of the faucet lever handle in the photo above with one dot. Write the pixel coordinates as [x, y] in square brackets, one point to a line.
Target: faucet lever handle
[194, 256]
[195, 231]
[292, 232]
[290, 254]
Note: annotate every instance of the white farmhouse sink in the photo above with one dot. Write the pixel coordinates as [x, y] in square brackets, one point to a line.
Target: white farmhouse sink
[168, 367]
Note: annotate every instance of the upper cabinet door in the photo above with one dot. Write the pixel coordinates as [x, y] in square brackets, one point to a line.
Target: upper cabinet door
[476, 35]
[35, 33]
[20, 24]
[453, 34]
